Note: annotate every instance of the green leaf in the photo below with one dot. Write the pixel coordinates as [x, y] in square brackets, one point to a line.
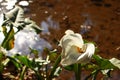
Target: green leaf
[24, 60]
[32, 64]
[35, 52]
[56, 64]
[103, 63]
[1, 56]
[9, 39]
[4, 31]
[53, 56]
[1, 67]
[15, 62]
[89, 66]
[28, 63]
[1, 59]
[70, 67]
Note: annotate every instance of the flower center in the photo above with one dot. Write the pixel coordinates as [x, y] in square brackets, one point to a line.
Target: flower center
[80, 50]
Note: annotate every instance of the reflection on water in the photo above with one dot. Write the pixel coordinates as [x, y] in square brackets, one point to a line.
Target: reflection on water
[49, 23]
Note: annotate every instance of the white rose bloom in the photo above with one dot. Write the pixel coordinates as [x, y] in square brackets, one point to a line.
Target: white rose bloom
[74, 50]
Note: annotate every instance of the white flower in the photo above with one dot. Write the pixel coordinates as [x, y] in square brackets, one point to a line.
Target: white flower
[26, 39]
[74, 50]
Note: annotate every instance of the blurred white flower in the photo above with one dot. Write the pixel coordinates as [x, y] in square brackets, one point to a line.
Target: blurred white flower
[26, 39]
[74, 50]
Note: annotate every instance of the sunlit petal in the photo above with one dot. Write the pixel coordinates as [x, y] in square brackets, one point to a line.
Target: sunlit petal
[74, 50]
[69, 40]
[86, 56]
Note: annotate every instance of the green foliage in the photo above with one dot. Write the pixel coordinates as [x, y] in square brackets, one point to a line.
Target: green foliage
[103, 63]
[29, 63]
[15, 62]
[52, 54]
[9, 38]
[23, 63]
[1, 65]
[35, 52]
[70, 68]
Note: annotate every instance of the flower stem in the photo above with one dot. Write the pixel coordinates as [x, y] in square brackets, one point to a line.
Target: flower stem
[95, 75]
[39, 75]
[54, 67]
[23, 72]
[77, 70]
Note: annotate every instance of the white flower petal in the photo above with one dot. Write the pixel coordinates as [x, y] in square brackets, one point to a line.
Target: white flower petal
[74, 56]
[69, 32]
[71, 56]
[74, 50]
[86, 56]
[69, 40]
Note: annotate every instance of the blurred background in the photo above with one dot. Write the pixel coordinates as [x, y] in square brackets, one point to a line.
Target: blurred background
[97, 20]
